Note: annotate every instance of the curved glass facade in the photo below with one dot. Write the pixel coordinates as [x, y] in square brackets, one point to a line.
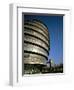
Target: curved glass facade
[34, 28]
[37, 25]
[36, 44]
[34, 48]
[34, 59]
[28, 31]
[37, 41]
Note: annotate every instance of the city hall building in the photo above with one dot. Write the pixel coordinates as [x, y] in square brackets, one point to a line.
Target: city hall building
[36, 46]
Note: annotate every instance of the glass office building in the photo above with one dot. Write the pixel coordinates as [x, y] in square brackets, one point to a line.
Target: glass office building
[36, 46]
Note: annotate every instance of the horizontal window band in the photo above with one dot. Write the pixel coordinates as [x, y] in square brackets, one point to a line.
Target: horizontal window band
[36, 53]
[36, 45]
[26, 55]
[31, 24]
[37, 35]
[37, 38]
[36, 41]
[34, 48]
[34, 57]
[38, 24]
[36, 29]
[28, 28]
[34, 61]
[35, 65]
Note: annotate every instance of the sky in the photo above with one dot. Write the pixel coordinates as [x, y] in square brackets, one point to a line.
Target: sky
[55, 28]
